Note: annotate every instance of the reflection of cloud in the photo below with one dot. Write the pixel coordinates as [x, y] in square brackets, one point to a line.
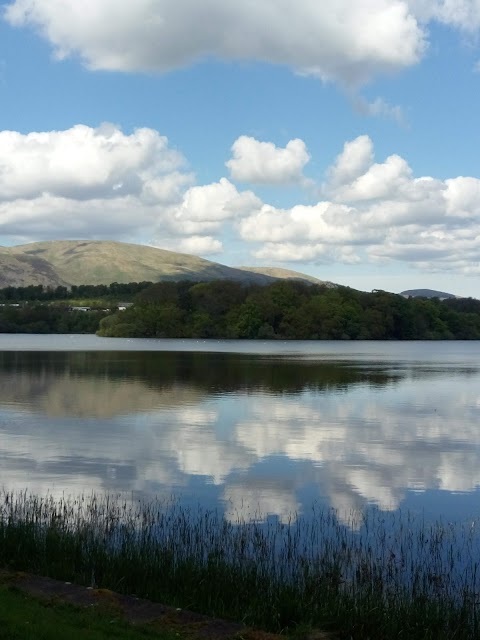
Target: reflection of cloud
[294, 430]
[373, 452]
[458, 471]
[369, 484]
[245, 502]
[364, 445]
[198, 449]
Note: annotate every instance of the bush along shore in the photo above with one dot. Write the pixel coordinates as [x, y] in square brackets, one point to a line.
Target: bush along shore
[375, 577]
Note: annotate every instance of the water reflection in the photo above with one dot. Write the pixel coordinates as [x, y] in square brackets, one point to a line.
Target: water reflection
[256, 434]
[25, 377]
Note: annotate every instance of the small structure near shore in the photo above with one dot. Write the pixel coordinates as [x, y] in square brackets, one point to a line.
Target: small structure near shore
[123, 306]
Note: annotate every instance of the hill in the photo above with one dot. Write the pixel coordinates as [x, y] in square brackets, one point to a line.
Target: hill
[287, 274]
[22, 270]
[427, 293]
[102, 262]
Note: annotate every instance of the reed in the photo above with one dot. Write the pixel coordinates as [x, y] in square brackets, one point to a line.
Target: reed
[393, 576]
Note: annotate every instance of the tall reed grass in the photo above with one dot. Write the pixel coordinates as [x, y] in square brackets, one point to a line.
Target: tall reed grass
[387, 577]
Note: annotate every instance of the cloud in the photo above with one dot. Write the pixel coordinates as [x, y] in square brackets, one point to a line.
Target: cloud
[375, 211]
[196, 245]
[264, 163]
[333, 40]
[102, 183]
[202, 211]
[355, 159]
[88, 182]
[246, 502]
[206, 208]
[211, 204]
[306, 232]
[463, 197]
[84, 163]
[380, 181]
[379, 108]
[462, 14]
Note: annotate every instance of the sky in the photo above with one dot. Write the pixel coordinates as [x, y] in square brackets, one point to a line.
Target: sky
[339, 138]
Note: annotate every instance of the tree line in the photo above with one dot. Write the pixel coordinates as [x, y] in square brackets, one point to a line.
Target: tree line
[40, 317]
[289, 310]
[286, 309]
[41, 293]
[43, 309]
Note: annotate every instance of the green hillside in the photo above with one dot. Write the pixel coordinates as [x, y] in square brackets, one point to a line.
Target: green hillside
[102, 262]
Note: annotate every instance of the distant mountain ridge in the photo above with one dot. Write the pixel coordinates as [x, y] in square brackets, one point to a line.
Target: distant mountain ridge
[74, 262]
[287, 274]
[427, 293]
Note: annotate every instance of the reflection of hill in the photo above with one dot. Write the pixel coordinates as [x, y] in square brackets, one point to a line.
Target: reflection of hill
[72, 396]
[201, 373]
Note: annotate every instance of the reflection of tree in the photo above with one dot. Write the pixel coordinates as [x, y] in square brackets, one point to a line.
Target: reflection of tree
[203, 372]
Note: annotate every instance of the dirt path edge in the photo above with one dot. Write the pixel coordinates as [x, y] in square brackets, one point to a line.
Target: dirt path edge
[138, 610]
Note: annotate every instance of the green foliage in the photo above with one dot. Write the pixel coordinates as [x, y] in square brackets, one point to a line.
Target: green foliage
[39, 309]
[290, 310]
[43, 318]
[39, 293]
[285, 310]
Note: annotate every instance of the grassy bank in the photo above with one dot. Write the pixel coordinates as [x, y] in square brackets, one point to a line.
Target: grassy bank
[25, 618]
[382, 578]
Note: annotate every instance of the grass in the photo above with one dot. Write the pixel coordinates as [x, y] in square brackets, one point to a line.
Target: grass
[25, 618]
[395, 577]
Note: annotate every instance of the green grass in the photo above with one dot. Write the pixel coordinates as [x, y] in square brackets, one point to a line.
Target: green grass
[401, 578]
[25, 618]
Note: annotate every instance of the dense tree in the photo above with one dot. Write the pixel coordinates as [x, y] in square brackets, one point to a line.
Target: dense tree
[39, 293]
[288, 310]
[226, 309]
[45, 318]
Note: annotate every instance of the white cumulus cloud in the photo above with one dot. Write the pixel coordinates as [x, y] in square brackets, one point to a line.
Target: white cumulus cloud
[100, 182]
[85, 163]
[375, 211]
[196, 245]
[264, 163]
[335, 39]
[355, 159]
[89, 182]
[205, 208]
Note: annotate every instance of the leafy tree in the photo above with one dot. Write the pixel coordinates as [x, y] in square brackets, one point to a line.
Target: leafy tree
[284, 310]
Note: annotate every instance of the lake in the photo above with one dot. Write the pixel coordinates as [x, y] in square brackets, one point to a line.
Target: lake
[254, 429]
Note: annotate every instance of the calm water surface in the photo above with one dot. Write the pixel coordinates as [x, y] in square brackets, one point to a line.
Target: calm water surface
[247, 427]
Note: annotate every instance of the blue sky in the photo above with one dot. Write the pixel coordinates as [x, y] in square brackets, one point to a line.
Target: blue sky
[340, 139]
